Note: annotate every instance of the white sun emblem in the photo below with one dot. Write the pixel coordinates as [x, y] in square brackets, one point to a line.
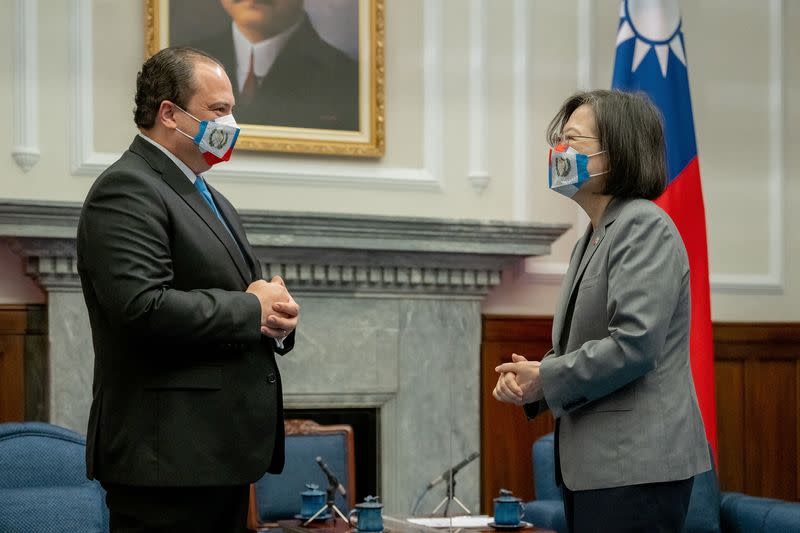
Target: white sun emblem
[654, 24]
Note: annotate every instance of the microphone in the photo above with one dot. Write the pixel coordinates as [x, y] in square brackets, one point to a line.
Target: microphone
[449, 473]
[331, 478]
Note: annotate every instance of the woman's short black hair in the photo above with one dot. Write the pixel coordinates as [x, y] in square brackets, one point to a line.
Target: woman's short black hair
[631, 132]
[167, 75]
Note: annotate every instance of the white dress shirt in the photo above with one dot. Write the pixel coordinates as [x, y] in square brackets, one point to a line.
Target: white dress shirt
[180, 164]
[264, 53]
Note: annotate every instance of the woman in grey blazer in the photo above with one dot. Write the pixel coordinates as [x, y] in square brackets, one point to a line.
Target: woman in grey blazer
[629, 436]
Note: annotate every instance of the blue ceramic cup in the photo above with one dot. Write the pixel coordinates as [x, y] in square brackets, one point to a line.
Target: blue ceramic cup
[313, 500]
[507, 509]
[368, 515]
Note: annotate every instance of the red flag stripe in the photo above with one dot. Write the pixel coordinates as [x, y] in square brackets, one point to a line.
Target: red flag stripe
[683, 201]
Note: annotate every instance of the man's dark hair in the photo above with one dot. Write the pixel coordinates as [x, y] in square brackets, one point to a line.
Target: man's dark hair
[631, 133]
[167, 75]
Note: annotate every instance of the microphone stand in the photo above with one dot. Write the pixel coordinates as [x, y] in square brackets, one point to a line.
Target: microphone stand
[450, 497]
[448, 476]
[330, 504]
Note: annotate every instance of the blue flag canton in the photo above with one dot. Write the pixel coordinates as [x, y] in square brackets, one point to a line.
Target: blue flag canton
[650, 58]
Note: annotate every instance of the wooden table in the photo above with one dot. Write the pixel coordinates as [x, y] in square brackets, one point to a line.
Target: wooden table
[391, 525]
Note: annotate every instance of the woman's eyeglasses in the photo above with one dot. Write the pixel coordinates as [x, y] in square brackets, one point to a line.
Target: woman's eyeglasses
[569, 140]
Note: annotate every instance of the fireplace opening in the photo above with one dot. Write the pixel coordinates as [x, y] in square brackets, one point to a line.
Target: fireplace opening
[364, 422]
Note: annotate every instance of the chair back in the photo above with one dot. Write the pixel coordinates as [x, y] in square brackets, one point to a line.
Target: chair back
[704, 503]
[277, 497]
[43, 486]
[544, 470]
[752, 514]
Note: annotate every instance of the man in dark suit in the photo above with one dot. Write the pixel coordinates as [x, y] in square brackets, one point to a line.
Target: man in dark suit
[283, 72]
[187, 406]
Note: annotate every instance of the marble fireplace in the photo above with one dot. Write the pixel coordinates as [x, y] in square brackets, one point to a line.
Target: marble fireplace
[391, 321]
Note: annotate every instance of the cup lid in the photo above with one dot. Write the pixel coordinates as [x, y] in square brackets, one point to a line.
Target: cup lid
[506, 496]
[312, 489]
[370, 502]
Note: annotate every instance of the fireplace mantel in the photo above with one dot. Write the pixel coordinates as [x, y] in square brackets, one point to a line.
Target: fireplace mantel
[390, 319]
[355, 254]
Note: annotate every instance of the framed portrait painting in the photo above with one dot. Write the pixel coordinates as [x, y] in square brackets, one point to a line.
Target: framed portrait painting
[307, 75]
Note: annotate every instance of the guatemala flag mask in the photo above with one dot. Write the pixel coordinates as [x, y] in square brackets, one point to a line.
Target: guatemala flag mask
[215, 137]
[567, 170]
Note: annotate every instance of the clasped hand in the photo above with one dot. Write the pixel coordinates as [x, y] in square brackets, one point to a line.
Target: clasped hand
[279, 312]
[519, 381]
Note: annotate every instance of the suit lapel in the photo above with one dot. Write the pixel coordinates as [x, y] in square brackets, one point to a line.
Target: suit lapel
[237, 229]
[593, 242]
[584, 251]
[186, 190]
[566, 289]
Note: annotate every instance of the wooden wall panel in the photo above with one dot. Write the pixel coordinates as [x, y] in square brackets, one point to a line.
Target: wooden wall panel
[23, 363]
[730, 424]
[757, 376]
[771, 413]
[758, 399]
[13, 321]
[506, 433]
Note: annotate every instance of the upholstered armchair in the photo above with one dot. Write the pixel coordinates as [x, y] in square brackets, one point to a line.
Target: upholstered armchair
[749, 514]
[709, 511]
[277, 497]
[547, 510]
[43, 485]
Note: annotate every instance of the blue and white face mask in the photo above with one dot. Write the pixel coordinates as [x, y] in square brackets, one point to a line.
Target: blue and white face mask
[215, 138]
[567, 169]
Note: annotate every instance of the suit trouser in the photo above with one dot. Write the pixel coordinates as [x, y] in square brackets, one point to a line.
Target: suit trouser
[177, 509]
[647, 508]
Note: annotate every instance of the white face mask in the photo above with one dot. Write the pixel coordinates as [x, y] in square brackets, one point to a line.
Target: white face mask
[215, 138]
[567, 170]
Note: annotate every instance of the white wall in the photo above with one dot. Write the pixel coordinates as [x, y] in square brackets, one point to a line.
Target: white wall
[535, 52]
[744, 85]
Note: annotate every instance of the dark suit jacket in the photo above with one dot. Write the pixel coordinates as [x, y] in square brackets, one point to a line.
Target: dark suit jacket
[186, 390]
[311, 84]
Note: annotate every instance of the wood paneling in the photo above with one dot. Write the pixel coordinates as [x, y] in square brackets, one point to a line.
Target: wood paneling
[23, 363]
[729, 382]
[758, 397]
[13, 322]
[506, 433]
[757, 376]
[772, 414]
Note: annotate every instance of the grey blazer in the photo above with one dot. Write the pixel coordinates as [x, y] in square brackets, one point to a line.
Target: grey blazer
[618, 376]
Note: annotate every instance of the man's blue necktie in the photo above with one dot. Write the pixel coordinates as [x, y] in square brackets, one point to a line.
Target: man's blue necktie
[201, 186]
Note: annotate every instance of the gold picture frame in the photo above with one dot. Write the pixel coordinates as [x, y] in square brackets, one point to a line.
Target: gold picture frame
[335, 115]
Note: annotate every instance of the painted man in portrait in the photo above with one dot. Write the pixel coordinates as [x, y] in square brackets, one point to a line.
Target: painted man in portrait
[283, 72]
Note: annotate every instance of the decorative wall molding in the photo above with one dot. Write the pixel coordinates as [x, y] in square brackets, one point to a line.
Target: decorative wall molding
[585, 76]
[433, 91]
[551, 272]
[26, 150]
[469, 283]
[520, 142]
[585, 36]
[770, 282]
[319, 254]
[308, 171]
[50, 262]
[478, 173]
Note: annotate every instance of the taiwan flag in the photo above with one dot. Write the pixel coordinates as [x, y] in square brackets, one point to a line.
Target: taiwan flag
[651, 58]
